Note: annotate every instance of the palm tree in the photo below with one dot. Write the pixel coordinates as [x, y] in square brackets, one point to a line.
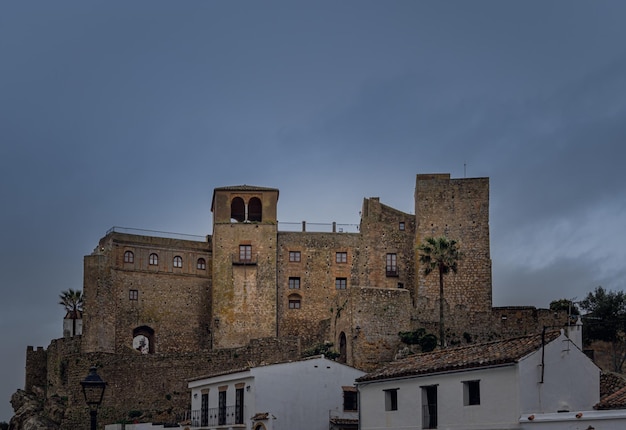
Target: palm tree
[72, 301]
[440, 254]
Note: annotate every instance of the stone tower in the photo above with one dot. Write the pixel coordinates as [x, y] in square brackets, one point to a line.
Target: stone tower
[459, 210]
[245, 234]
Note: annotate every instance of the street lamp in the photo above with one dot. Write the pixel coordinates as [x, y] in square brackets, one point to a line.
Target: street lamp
[93, 390]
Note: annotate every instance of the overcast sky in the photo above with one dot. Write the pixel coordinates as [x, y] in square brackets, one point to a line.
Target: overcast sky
[130, 113]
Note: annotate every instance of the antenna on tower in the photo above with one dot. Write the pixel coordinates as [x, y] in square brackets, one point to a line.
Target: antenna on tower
[465, 170]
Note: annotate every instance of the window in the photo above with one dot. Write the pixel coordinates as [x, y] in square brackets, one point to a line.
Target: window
[401, 226]
[239, 406]
[429, 407]
[245, 252]
[350, 399]
[201, 264]
[153, 260]
[221, 413]
[133, 294]
[391, 399]
[392, 265]
[341, 257]
[204, 410]
[294, 301]
[341, 283]
[178, 261]
[294, 256]
[471, 393]
[129, 257]
[294, 283]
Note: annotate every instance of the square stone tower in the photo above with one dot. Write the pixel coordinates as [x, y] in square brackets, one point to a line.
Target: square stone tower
[244, 264]
[459, 210]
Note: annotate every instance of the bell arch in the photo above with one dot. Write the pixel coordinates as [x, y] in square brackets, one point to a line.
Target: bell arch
[238, 209]
[255, 210]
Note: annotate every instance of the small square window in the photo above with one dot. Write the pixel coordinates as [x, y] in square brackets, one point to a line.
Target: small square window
[401, 226]
[245, 253]
[294, 283]
[471, 393]
[391, 399]
[294, 256]
[294, 303]
[133, 294]
[341, 283]
[341, 257]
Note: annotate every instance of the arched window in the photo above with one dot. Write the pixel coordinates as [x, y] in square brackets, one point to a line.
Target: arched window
[255, 210]
[129, 257]
[178, 261]
[153, 259]
[201, 264]
[342, 347]
[295, 301]
[143, 340]
[238, 210]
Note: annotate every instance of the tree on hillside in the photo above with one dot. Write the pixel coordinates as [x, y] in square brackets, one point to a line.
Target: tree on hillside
[440, 254]
[72, 301]
[606, 320]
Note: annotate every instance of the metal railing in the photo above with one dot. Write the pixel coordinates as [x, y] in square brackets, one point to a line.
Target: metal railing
[318, 227]
[213, 417]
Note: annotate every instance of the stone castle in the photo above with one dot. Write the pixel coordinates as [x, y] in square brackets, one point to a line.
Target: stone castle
[161, 310]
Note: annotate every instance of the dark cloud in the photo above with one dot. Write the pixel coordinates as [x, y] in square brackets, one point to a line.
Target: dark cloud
[129, 114]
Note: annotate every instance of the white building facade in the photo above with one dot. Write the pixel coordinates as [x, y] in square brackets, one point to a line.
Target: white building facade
[533, 382]
[305, 395]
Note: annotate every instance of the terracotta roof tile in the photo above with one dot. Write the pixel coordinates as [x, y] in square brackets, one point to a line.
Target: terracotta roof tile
[612, 392]
[466, 357]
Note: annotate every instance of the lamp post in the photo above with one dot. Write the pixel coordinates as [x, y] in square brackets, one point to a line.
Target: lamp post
[93, 390]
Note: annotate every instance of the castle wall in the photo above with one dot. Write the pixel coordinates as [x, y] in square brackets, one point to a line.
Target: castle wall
[36, 365]
[383, 231]
[316, 272]
[371, 319]
[124, 294]
[154, 386]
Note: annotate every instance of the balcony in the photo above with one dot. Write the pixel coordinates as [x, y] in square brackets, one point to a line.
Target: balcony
[244, 260]
[392, 272]
[217, 418]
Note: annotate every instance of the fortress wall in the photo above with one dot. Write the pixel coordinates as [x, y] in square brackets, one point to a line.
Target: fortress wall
[154, 384]
[317, 272]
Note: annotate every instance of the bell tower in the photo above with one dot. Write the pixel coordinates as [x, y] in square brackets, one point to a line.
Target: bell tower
[245, 232]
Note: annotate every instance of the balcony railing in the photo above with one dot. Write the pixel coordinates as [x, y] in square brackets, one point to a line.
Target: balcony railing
[215, 417]
[392, 272]
[241, 260]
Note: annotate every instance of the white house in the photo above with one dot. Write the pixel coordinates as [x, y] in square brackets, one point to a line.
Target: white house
[312, 394]
[536, 382]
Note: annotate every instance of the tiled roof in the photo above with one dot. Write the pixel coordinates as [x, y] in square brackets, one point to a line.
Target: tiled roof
[612, 392]
[610, 382]
[244, 188]
[466, 357]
